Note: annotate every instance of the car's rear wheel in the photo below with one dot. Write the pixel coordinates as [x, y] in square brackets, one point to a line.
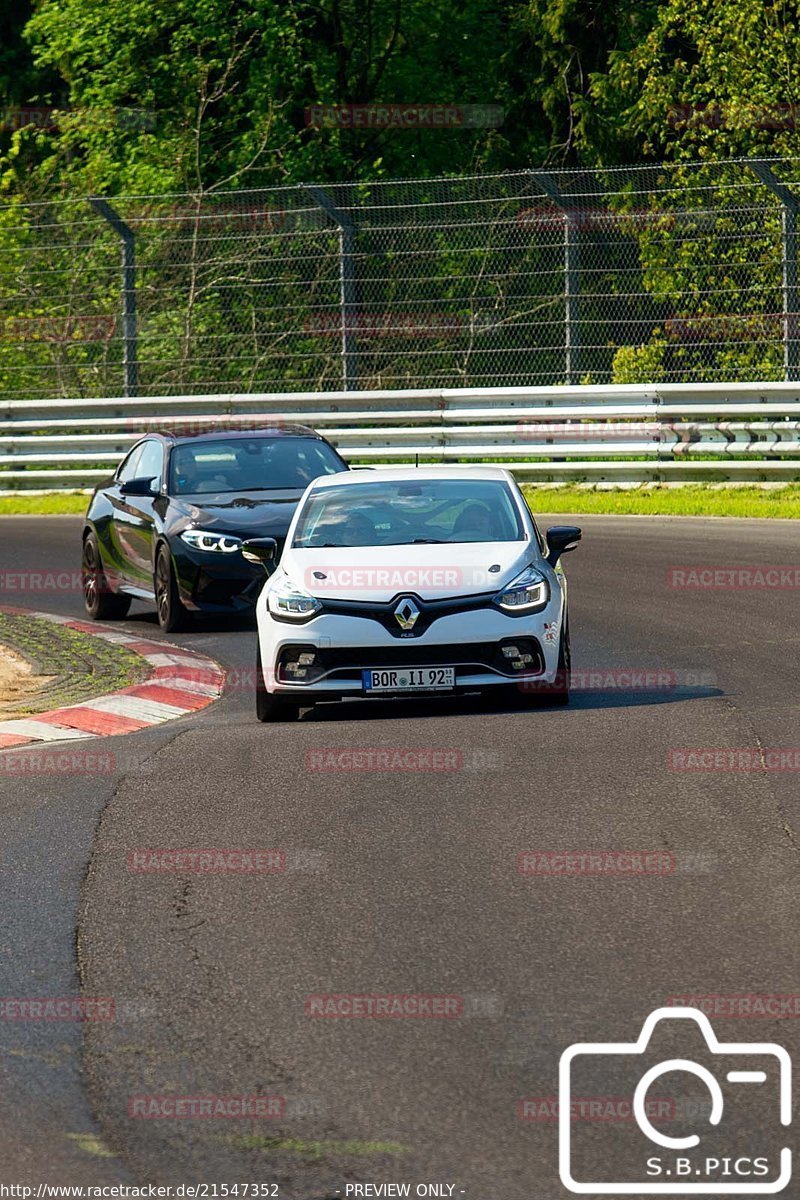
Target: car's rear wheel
[99, 601]
[268, 707]
[172, 616]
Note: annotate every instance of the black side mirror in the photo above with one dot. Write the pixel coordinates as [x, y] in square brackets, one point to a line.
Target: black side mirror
[560, 540]
[261, 551]
[138, 487]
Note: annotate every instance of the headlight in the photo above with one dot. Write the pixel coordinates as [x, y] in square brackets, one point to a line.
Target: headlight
[528, 591]
[216, 543]
[287, 601]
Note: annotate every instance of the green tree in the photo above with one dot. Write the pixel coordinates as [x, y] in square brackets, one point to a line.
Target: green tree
[711, 79]
[228, 83]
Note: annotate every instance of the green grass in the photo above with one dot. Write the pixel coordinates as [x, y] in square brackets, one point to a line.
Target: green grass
[690, 501]
[77, 665]
[673, 502]
[66, 502]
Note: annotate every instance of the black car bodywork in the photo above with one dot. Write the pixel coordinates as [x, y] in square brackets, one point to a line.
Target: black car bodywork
[132, 543]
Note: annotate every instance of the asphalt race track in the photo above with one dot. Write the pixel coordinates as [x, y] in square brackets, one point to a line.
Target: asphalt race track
[403, 882]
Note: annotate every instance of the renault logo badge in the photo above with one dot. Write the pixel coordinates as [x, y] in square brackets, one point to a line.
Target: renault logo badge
[406, 614]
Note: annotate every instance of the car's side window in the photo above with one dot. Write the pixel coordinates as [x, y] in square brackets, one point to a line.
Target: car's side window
[151, 463]
[128, 468]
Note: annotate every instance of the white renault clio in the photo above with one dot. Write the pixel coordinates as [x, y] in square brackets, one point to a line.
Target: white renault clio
[409, 581]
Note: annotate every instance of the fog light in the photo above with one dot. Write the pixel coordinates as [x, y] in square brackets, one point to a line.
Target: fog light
[307, 658]
[522, 657]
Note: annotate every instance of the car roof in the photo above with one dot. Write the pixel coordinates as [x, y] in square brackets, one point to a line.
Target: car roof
[395, 474]
[176, 437]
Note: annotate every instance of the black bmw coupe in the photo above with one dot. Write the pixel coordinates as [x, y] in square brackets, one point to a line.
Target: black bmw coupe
[168, 526]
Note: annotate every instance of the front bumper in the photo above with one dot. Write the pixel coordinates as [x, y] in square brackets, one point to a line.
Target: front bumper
[471, 642]
[216, 583]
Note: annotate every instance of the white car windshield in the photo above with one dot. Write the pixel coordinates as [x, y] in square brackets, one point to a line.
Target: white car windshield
[409, 512]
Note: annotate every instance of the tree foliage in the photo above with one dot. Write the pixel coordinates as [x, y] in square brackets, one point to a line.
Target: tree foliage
[159, 97]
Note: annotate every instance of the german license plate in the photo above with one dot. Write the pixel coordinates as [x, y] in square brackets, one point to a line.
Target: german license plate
[410, 679]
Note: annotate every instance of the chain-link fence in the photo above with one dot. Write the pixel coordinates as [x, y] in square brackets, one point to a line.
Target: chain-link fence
[669, 273]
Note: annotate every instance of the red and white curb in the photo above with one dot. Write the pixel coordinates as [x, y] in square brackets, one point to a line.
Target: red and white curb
[180, 682]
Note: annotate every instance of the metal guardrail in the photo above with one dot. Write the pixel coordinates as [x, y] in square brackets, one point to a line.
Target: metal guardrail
[623, 433]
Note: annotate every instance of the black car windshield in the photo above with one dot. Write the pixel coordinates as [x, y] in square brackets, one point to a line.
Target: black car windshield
[249, 464]
[409, 512]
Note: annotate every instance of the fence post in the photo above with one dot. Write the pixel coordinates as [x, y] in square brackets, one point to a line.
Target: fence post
[130, 363]
[348, 232]
[791, 296]
[572, 279]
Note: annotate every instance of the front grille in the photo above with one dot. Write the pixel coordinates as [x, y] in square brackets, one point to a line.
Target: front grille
[384, 612]
[348, 662]
[478, 653]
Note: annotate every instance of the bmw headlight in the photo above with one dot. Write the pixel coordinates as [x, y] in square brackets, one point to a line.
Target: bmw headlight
[528, 591]
[216, 543]
[289, 602]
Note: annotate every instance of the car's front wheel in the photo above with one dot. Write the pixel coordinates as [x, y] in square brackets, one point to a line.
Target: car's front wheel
[268, 707]
[99, 601]
[172, 616]
[558, 691]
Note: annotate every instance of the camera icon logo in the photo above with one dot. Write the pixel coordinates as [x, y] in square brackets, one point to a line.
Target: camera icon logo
[689, 1164]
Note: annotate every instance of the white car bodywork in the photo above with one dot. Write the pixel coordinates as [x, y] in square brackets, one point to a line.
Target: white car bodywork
[457, 573]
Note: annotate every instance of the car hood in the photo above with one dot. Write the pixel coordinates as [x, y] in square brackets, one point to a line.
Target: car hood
[248, 514]
[378, 573]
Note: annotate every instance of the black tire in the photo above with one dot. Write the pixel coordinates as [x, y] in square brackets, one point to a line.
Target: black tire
[271, 708]
[555, 694]
[100, 602]
[172, 616]
[558, 693]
